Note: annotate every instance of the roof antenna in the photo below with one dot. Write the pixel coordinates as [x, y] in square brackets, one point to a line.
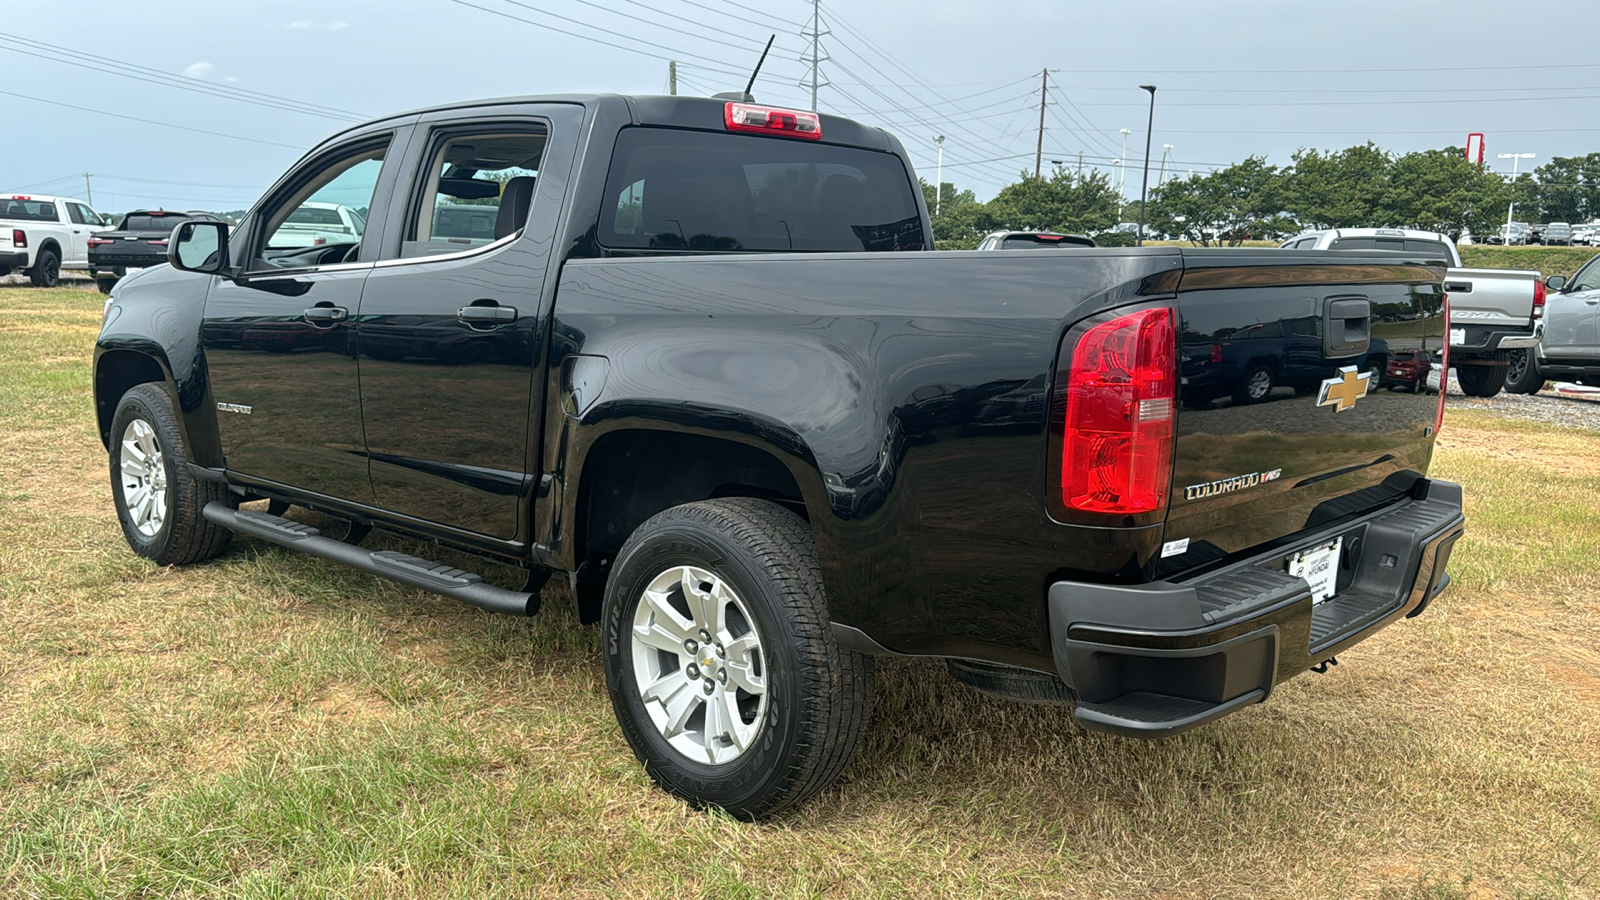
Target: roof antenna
[745, 96]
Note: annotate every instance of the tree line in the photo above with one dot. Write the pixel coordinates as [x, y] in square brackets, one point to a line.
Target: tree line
[1359, 187]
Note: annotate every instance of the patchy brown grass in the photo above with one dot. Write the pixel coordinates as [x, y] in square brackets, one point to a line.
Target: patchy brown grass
[266, 725]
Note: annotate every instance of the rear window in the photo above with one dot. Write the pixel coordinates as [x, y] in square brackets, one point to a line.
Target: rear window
[28, 210]
[141, 222]
[692, 190]
[1408, 245]
[1029, 242]
[311, 215]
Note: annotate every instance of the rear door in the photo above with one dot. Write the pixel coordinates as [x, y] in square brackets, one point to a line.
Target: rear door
[451, 322]
[1325, 442]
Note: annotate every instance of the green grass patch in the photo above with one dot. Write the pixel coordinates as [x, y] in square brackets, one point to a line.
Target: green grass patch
[1546, 260]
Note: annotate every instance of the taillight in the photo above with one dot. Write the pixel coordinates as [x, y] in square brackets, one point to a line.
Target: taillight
[160, 242]
[1118, 381]
[318, 242]
[19, 238]
[1216, 353]
[768, 120]
[1538, 298]
[1444, 368]
[98, 242]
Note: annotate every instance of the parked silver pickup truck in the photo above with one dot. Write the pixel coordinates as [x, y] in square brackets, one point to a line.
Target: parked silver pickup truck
[1493, 312]
[1570, 347]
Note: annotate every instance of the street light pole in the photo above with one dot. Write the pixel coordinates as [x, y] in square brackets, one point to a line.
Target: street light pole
[1515, 158]
[1144, 187]
[1122, 172]
[938, 183]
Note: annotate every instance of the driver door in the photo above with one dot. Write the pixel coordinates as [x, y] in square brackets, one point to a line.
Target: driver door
[280, 337]
[1572, 316]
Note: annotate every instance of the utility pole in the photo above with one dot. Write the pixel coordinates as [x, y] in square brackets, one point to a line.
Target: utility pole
[672, 77]
[938, 180]
[1038, 153]
[1080, 165]
[815, 34]
[1144, 185]
[87, 191]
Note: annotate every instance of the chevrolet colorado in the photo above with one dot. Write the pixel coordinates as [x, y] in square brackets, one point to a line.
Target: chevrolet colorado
[690, 372]
[1494, 313]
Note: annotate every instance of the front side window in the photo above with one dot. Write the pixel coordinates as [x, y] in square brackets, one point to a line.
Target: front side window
[1587, 279]
[322, 220]
[479, 190]
[675, 190]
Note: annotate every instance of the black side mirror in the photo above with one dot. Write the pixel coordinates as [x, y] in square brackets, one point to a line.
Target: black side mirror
[1555, 283]
[199, 247]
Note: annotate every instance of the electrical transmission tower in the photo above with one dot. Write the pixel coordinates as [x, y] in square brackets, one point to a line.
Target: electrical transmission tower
[815, 35]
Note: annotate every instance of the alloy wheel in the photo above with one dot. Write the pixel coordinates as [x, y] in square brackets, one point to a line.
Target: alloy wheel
[144, 478]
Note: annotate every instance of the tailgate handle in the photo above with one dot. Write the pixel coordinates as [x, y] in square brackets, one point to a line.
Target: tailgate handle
[1458, 287]
[1347, 327]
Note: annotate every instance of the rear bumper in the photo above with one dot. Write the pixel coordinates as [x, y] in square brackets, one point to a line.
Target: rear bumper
[1488, 338]
[14, 259]
[1158, 659]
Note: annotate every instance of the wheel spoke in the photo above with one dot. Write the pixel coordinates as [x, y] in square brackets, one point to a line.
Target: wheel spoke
[132, 448]
[716, 726]
[742, 675]
[659, 637]
[666, 687]
[680, 706]
[700, 603]
[666, 618]
[133, 468]
[734, 722]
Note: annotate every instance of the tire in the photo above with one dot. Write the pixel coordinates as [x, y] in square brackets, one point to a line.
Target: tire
[105, 284]
[815, 698]
[1481, 381]
[168, 526]
[1522, 372]
[1256, 387]
[1011, 683]
[46, 269]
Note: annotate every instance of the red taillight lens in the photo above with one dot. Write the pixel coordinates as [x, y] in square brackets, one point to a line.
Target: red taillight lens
[318, 242]
[1538, 299]
[767, 120]
[1216, 353]
[160, 242]
[1116, 447]
[19, 238]
[1444, 368]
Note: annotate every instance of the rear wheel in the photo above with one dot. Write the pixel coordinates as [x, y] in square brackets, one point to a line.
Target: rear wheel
[1522, 372]
[1256, 387]
[158, 499]
[1481, 381]
[46, 269]
[721, 662]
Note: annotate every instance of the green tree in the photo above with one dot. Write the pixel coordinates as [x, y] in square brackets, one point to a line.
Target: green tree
[1440, 190]
[1224, 207]
[1062, 201]
[1569, 188]
[1340, 189]
[962, 221]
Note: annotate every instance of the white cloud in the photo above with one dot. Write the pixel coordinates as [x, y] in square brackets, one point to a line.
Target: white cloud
[338, 26]
[231, 79]
[199, 70]
[298, 25]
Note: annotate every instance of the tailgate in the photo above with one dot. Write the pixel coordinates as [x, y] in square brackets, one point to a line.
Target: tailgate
[1491, 297]
[1282, 423]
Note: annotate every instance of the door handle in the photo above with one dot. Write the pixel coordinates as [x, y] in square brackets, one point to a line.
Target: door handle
[329, 314]
[1458, 287]
[486, 315]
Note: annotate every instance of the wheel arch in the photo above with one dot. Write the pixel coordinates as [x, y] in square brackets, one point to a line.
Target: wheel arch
[119, 370]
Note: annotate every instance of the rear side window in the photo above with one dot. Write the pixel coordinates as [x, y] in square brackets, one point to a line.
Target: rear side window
[28, 210]
[693, 190]
[1430, 248]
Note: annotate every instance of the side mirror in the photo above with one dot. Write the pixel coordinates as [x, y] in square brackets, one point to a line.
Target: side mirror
[1555, 283]
[199, 247]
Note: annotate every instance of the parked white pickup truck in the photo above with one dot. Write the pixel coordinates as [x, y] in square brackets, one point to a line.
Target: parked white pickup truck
[43, 235]
[1493, 312]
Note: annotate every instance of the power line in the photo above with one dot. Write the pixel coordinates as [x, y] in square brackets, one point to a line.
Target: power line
[1345, 71]
[155, 76]
[101, 112]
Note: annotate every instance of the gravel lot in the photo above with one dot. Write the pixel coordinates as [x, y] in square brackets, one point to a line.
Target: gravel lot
[1549, 406]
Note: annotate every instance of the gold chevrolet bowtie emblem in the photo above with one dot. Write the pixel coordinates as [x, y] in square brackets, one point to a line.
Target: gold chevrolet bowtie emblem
[1342, 392]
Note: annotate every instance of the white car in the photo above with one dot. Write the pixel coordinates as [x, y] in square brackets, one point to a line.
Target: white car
[314, 224]
[43, 235]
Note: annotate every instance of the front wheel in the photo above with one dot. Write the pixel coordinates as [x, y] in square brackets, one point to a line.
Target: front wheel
[720, 659]
[158, 499]
[1522, 372]
[1481, 381]
[1257, 386]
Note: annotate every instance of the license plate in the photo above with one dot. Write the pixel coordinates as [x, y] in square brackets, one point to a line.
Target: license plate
[1458, 336]
[1319, 566]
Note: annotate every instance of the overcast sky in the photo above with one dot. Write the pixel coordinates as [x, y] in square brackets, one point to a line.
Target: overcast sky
[1235, 78]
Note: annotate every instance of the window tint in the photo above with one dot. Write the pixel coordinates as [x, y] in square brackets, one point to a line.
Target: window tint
[1015, 242]
[1430, 248]
[28, 210]
[692, 190]
[470, 177]
[75, 213]
[147, 222]
[1367, 243]
[324, 212]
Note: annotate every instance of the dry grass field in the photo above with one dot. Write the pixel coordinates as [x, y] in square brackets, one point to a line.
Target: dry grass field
[267, 725]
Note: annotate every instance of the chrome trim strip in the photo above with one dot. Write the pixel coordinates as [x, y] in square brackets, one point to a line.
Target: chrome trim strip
[475, 251]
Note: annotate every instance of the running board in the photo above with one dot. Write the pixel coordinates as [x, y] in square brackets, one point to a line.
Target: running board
[468, 587]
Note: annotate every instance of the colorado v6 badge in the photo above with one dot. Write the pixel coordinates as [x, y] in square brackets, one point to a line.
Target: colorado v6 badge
[1343, 390]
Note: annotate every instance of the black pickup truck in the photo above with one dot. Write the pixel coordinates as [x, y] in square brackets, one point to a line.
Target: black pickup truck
[689, 371]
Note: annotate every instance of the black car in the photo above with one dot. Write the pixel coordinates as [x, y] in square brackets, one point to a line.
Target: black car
[140, 240]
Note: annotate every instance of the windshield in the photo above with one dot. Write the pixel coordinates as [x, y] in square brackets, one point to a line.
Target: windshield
[695, 190]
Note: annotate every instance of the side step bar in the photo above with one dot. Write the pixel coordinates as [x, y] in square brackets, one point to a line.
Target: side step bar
[422, 573]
